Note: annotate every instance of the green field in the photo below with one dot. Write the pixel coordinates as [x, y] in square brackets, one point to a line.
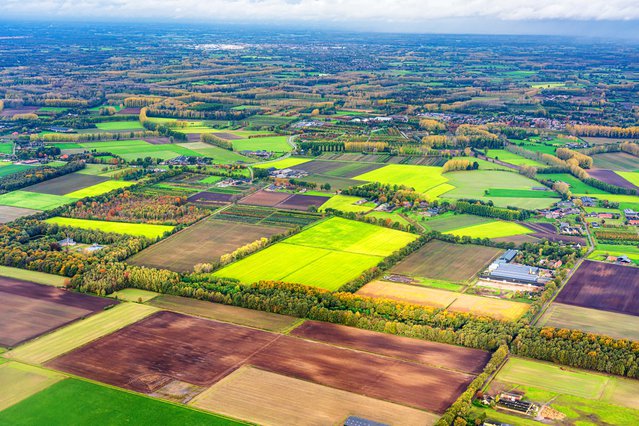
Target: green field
[326, 255]
[451, 221]
[33, 276]
[79, 333]
[6, 148]
[619, 326]
[345, 203]
[219, 155]
[618, 161]
[283, 164]
[393, 217]
[632, 177]
[268, 143]
[512, 158]
[421, 178]
[119, 125]
[76, 402]
[602, 251]
[496, 229]
[137, 229]
[34, 200]
[99, 189]
[576, 186]
[133, 149]
[134, 295]
[438, 191]
[9, 169]
[20, 381]
[521, 193]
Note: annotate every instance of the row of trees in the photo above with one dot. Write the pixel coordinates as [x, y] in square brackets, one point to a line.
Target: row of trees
[604, 131]
[456, 164]
[477, 208]
[216, 140]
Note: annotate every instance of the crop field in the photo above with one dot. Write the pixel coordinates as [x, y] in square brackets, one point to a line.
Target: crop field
[458, 302]
[445, 261]
[210, 198]
[99, 189]
[620, 161]
[512, 158]
[422, 178]
[33, 309]
[337, 168]
[225, 313]
[203, 242]
[66, 184]
[619, 326]
[137, 229]
[61, 341]
[34, 200]
[58, 404]
[6, 147]
[602, 251]
[283, 200]
[265, 198]
[268, 143]
[521, 193]
[119, 125]
[612, 178]
[449, 222]
[438, 191]
[394, 217]
[266, 398]
[495, 229]
[326, 255]
[219, 155]
[20, 381]
[283, 164]
[9, 214]
[603, 286]
[9, 169]
[32, 276]
[134, 295]
[632, 177]
[139, 358]
[345, 203]
[576, 186]
[134, 149]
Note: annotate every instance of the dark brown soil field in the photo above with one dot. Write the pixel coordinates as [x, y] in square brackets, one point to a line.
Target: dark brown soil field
[445, 261]
[549, 232]
[129, 111]
[158, 140]
[604, 286]
[10, 112]
[337, 168]
[421, 351]
[302, 202]
[228, 136]
[203, 242]
[66, 184]
[517, 239]
[9, 214]
[29, 310]
[611, 178]
[210, 198]
[265, 198]
[193, 137]
[167, 346]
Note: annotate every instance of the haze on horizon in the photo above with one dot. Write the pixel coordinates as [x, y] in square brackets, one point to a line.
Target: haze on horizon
[608, 18]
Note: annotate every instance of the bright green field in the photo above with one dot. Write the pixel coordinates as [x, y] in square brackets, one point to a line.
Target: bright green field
[20, 381]
[211, 179]
[395, 217]
[76, 402]
[512, 158]
[219, 155]
[345, 203]
[99, 189]
[632, 177]
[120, 125]
[576, 186]
[283, 164]
[326, 255]
[10, 169]
[422, 178]
[449, 222]
[269, 143]
[439, 190]
[33, 276]
[6, 148]
[137, 229]
[521, 193]
[134, 149]
[604, 250]
[496, 229]
[34, 200]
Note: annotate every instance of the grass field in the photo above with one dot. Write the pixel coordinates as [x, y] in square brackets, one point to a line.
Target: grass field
[496, 229]
[119, 125]
[20, 381]
[618, 161]
[8, 169]
[445, 261]
[226, 313]
[34, 200]
[134, 149]
[495, 308]
[99, 189]
[326, 255]
[422, 178]
[632, 177]
[137, 229]
[521, 193]
[283, 164]
[394, 217]
[345, 203]
[78, 402]
[576, 186]
[32, 276]
[511, 158]
[595, 321]
[269, 143]
[438, 191]
[6, 148]
[448, 222]
[266, 398]
[134, 295]
[219, 155]
[80, 333]
[602, 251]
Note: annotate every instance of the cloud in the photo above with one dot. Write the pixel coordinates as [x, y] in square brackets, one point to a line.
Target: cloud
[334, 11]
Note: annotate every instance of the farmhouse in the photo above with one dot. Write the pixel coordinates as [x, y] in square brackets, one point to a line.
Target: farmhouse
[503, 270]
[67, 242]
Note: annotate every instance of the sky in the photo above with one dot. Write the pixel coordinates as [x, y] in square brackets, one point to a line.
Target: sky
[579, 17]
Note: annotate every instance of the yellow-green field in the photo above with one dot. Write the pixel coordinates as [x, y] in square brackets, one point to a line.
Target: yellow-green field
[496, 229]
[422, 178]
[99, 189]
[345, 203]
[19, 381]
[33, 276]
[283, 164]
[134, 295]
[137, 229]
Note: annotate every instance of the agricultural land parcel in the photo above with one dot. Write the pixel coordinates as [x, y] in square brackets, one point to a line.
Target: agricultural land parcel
[137, 229]
[494, 229]
[123, 359]
[325, 255]
[583, 397]
[421, 178]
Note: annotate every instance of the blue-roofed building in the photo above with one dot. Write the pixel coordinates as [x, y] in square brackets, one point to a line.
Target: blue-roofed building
[512, 272]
